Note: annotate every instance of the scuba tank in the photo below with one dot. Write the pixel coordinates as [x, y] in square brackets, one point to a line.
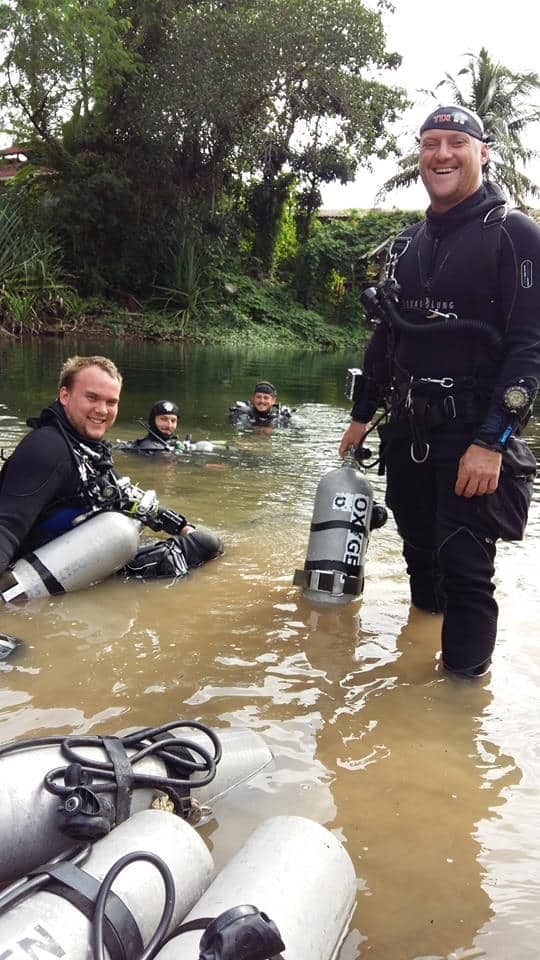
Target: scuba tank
[93, 783]
[292, 873]
[344, 514]
[86, 554]
[51, 914]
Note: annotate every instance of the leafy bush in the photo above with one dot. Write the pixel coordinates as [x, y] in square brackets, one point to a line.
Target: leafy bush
[33, 287]
[335, 257]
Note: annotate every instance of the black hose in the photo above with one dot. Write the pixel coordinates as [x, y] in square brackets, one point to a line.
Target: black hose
[96, 932]
[22, 887]
[389, 308]
[154, 434]
[160, 745]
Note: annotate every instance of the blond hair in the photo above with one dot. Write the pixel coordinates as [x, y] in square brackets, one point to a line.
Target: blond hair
[74, 365]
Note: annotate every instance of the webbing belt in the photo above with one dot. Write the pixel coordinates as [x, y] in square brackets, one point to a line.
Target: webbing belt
[317, 579]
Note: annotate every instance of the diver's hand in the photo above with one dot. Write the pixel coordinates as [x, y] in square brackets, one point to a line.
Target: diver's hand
[478, 472]
[353, 435]
[187, 529]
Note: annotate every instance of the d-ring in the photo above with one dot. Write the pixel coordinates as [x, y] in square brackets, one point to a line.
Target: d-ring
[424, 458]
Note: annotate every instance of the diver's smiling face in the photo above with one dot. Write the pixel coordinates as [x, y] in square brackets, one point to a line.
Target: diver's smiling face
[91, 403]
[263, 402]
[450, 165]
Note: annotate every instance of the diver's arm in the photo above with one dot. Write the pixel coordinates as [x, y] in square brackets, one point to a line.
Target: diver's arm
[34, 476]
[520, 299]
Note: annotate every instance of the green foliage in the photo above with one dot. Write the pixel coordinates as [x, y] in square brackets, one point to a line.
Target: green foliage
[33, 288]
[333, 265]
[188, 296]
[152, 116]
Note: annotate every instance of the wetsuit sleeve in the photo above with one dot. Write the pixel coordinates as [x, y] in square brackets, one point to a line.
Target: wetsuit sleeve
[375, 380]
[519, 292]
[36, 474]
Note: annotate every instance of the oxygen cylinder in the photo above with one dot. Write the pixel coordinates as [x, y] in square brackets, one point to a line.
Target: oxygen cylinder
[30, 826]
[297, 873]
[48, 924]
[88, 553]
[334, 567]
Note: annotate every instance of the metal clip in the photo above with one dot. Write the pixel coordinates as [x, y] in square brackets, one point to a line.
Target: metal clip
[449, 405]
[438, 314]
[445, 382]
[408, 398]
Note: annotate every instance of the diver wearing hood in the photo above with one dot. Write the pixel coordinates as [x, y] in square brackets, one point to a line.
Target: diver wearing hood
[162, 425]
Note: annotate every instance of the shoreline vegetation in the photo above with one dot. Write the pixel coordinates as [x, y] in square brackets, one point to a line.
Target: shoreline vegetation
[164, 172]
[310, 298]
[167, 162]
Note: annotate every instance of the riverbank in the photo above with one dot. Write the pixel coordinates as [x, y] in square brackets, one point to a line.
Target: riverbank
[295, 328]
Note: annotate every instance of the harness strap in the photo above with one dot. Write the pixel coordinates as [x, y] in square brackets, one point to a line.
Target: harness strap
[121, 933]
[123, 774]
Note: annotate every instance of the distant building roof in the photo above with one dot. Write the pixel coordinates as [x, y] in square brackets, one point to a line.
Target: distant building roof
[12, 151]
[8, 170]
[326, 214]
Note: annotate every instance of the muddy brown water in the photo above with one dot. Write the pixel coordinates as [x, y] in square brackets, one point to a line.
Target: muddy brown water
[433, 784]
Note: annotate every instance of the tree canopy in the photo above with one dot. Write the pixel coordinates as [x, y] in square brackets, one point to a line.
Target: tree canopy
[154, 115]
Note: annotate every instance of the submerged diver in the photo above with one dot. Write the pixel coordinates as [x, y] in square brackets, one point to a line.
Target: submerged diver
[62, 473]
[161, 437]
[262, 409]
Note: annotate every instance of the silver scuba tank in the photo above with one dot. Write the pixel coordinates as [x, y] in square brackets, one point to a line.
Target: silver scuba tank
[296, 872]
[48, 923]
[32, 828]
[340, 526]
[90, 552]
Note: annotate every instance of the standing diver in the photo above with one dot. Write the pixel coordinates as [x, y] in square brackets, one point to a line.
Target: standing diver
[455, 359]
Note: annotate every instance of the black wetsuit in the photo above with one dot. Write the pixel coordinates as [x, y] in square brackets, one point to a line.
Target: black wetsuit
[245, 414]
[157, 442]
[475, 264]
[42, 491]
[40, 485]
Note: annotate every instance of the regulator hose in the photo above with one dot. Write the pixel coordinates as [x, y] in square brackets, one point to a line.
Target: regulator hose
[96, 932]
[383, 300]
[23, 887]
[181, 756]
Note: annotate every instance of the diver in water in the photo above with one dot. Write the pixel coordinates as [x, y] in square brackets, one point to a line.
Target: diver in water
[162, 425]
[62, 472]
[262, 410]
[161, 437]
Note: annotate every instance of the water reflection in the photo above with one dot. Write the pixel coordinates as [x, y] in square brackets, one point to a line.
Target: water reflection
[431, 782]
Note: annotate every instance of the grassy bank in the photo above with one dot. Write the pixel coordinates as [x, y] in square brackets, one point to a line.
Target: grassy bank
[278, 321]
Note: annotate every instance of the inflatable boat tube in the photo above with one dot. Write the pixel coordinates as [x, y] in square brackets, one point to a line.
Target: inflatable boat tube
[31, 825]
[88, 553]
[47, 924]
[298, 874]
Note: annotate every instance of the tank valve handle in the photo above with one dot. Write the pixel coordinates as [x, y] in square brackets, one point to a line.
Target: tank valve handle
[242, 931]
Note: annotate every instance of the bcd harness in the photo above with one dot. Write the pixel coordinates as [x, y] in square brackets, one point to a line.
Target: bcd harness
[427, 402]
